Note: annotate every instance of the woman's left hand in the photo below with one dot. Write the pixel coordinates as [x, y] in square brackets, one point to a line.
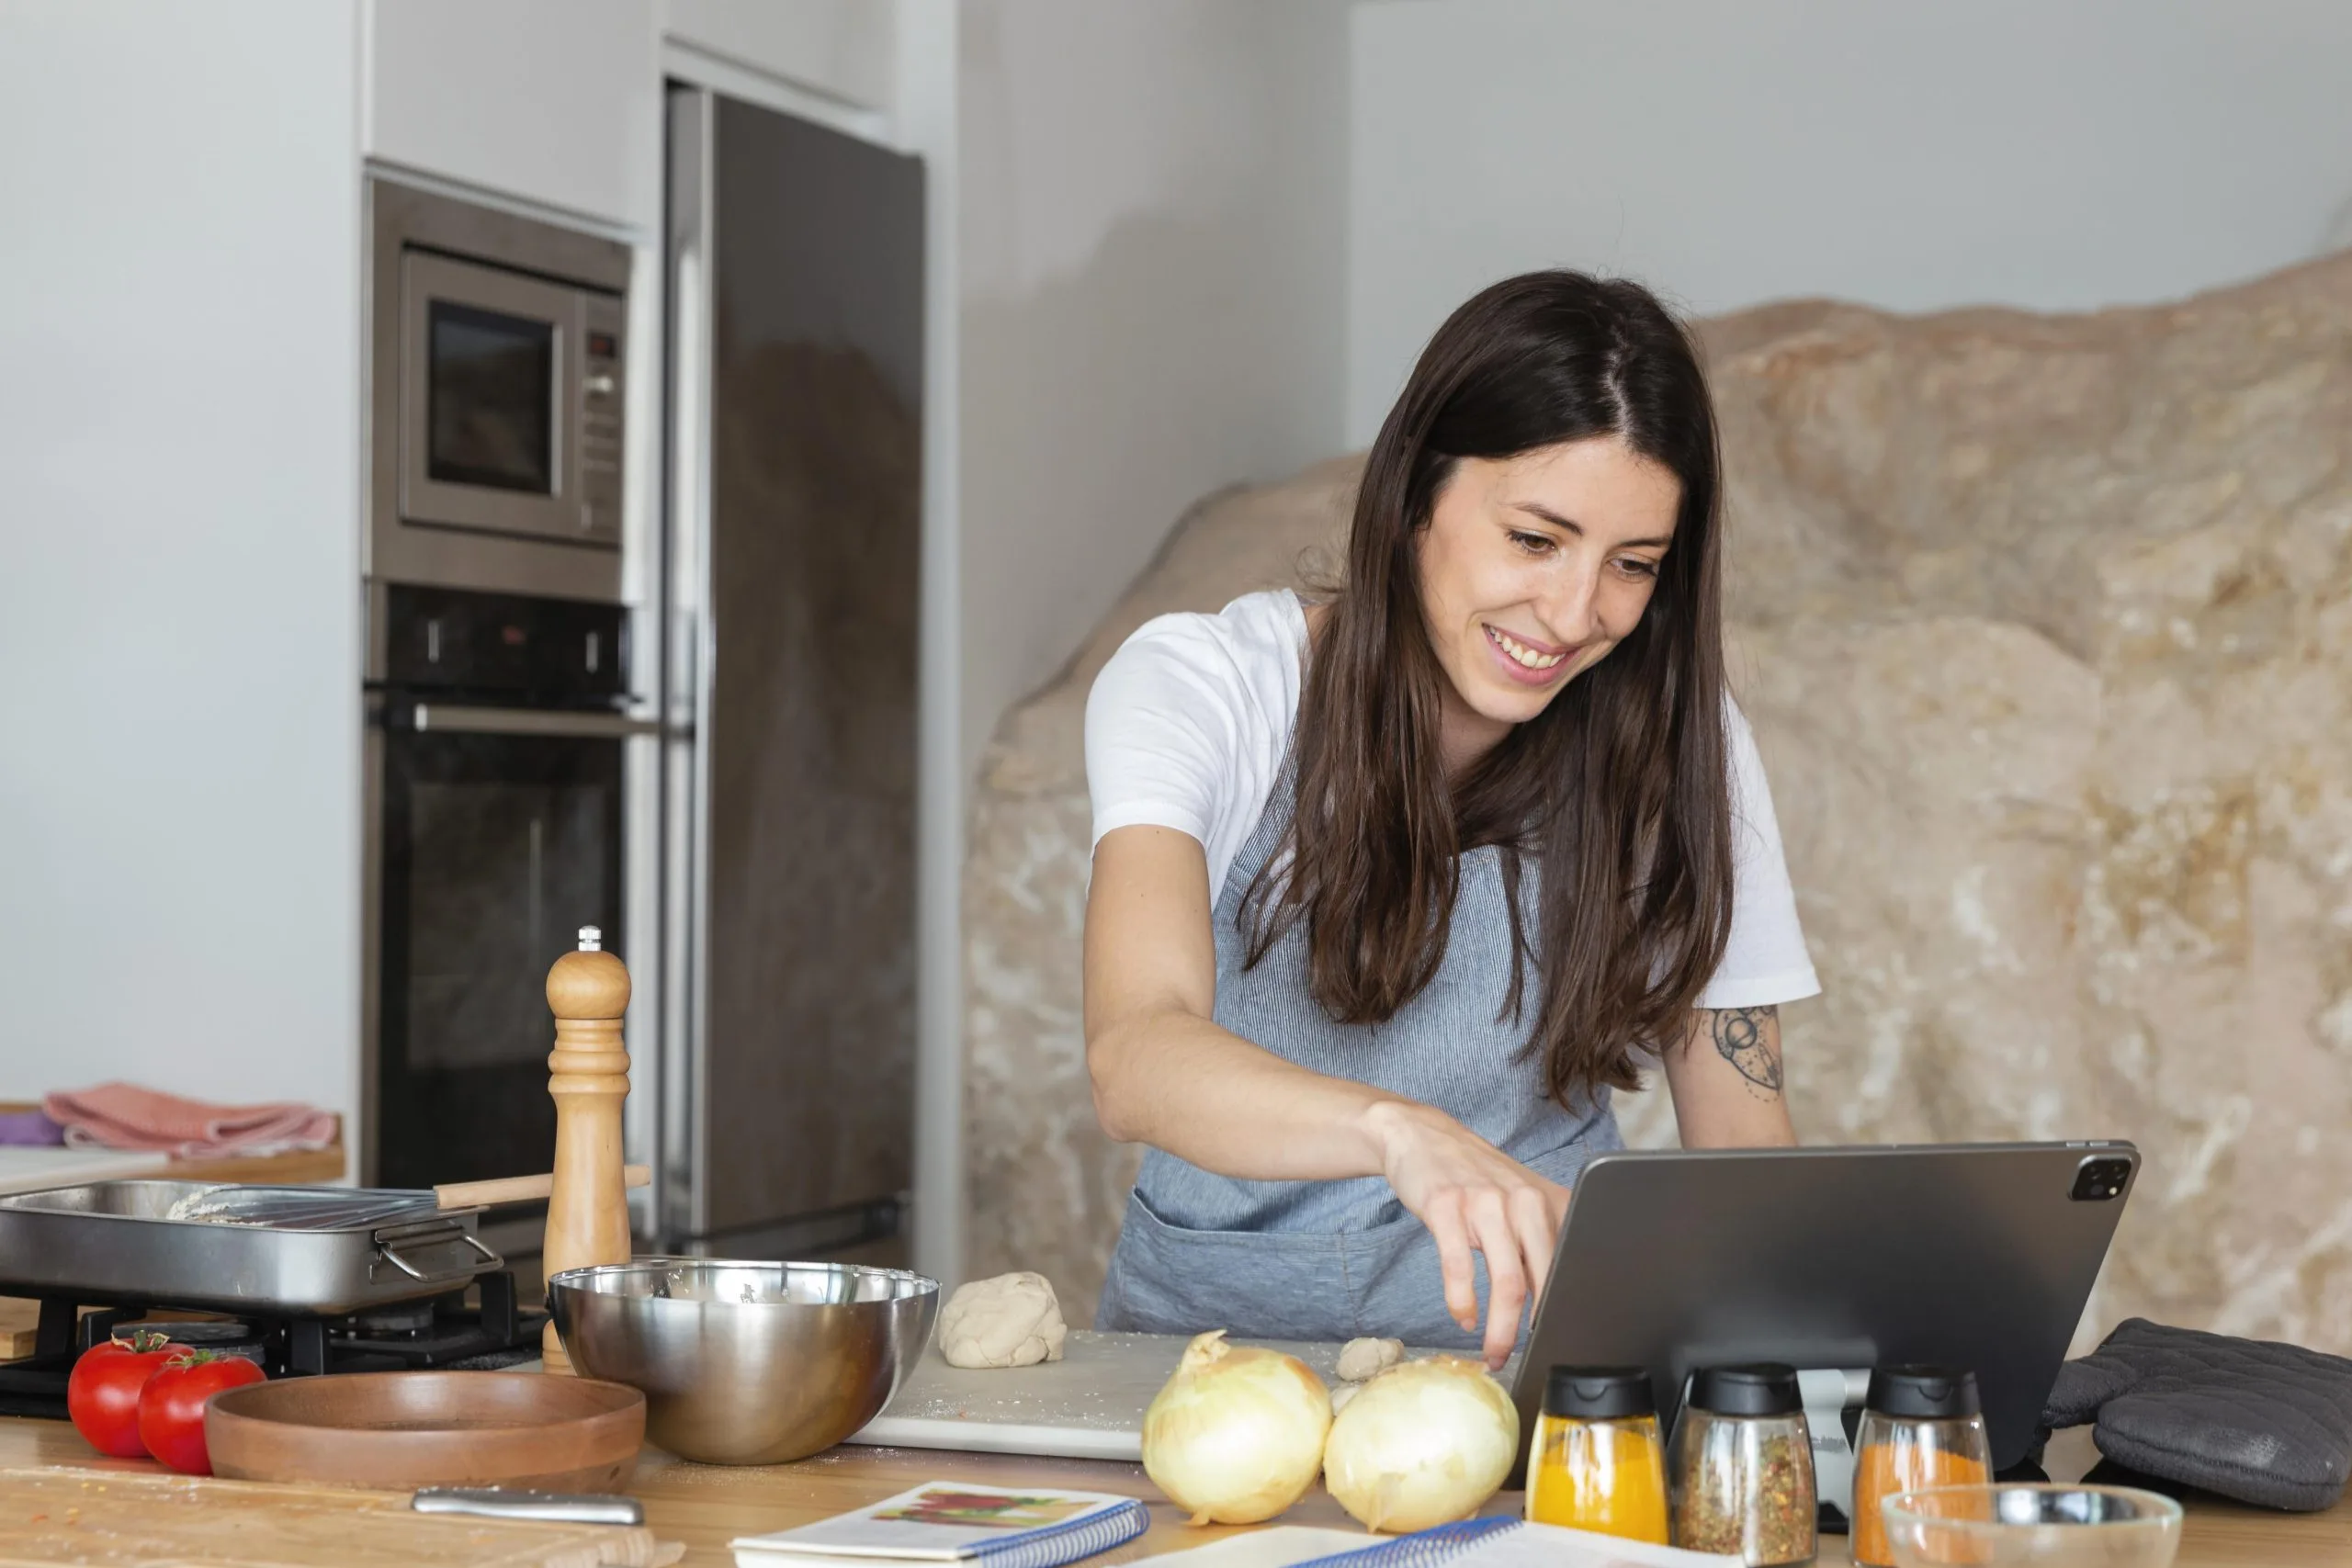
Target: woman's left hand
[1475, 1199]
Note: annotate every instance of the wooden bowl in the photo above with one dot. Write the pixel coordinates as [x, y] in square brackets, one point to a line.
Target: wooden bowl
[426, 1429]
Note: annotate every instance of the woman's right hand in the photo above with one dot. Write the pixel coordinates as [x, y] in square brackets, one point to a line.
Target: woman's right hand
[1474, 1198]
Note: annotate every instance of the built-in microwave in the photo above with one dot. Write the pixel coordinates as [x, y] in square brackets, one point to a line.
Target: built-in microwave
[510, 402]
[497, 390]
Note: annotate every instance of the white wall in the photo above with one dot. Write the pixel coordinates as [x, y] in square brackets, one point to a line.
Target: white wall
[1152, 250]
[1911, 156]
[179, 592]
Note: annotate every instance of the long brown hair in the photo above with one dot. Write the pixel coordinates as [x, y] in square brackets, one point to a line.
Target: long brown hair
[1616, 791]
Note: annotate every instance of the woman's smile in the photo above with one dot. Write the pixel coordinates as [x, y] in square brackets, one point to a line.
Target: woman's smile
[1526, 658]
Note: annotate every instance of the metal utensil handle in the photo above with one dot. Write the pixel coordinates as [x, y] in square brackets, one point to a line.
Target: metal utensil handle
[392, 1256]
[501, 1502]
[517, 1188]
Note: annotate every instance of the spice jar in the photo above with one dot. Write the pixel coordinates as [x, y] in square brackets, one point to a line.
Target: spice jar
[1741, 1470]
[1921, 1426]
[1596, 1461]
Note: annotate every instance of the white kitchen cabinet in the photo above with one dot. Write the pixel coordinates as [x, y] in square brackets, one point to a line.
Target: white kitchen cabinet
[557, 102]
[842, 49]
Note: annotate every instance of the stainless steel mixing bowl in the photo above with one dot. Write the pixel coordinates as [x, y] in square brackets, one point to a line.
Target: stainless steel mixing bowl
[742, 1363]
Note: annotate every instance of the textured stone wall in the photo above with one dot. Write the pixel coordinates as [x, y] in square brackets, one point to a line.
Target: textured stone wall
[2045, 628]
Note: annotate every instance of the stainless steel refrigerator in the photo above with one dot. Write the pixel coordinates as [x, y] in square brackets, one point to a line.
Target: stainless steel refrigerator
[793, 483]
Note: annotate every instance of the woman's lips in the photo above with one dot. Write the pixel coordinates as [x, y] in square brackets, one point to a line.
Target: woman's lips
[1529, 663]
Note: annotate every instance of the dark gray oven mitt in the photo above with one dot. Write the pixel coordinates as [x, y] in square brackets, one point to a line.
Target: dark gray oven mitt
[2263, 1423]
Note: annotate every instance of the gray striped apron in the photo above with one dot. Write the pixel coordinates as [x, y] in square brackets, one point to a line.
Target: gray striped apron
[1336, 1259]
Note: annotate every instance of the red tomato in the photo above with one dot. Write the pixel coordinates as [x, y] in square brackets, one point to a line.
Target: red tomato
[171, 1407]
[102, 1394]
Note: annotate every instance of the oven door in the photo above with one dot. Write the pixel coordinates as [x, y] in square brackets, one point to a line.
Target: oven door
[498, 837]
[497, 428]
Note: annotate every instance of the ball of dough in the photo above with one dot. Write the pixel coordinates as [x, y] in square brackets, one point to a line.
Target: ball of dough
[1010, 1321]
[1363, 1358]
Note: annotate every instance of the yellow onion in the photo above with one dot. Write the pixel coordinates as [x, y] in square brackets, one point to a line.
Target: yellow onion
[1237, 1435]
[1423, 1442]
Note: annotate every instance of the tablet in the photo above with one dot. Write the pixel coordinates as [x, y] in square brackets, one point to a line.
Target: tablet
[1979, 1256]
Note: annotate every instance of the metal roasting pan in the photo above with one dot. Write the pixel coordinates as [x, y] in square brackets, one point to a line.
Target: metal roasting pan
[194, 1244]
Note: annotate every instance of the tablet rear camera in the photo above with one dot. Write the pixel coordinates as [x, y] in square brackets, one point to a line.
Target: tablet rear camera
[2098, 1180]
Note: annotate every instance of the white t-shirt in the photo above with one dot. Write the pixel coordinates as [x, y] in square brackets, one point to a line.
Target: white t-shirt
[1187, 727]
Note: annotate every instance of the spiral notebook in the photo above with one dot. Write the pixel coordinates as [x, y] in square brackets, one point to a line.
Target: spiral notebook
[947, 1522]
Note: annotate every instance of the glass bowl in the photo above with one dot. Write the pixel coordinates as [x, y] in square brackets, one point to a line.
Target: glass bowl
[2050, 1525]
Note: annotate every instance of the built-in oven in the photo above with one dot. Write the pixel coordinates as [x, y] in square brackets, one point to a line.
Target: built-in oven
[503, 806]
[513, 774]
[496, 743]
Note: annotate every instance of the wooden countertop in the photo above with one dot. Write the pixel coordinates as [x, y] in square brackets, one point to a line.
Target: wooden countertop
[707, 1505]
[310, 1164]
[274, 1170]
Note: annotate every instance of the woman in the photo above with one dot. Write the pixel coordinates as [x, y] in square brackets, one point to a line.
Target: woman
[1391, 890]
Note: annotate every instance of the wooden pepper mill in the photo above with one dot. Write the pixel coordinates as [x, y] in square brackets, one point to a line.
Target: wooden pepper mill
[588, 1076]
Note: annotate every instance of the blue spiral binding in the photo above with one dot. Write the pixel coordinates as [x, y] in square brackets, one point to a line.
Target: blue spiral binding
[1422, 1549]
[1050, 1546]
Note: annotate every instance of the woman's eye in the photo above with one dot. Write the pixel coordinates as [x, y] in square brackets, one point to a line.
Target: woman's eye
[1641, 568]
[1533, 543]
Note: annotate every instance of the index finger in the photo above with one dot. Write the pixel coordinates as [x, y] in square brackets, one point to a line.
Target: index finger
[1506, 1279]
[1538, 1237]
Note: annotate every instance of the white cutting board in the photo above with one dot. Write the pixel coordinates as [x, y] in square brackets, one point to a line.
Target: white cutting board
[1088, 1404]
[24, 1169]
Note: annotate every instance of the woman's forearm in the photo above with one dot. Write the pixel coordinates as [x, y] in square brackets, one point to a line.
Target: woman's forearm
[1175, 1080]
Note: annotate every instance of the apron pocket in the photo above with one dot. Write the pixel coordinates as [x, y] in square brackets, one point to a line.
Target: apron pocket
[1400, 1291]
[1166, 1278]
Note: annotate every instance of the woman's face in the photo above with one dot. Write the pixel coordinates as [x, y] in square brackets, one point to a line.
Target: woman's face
[1531, 569]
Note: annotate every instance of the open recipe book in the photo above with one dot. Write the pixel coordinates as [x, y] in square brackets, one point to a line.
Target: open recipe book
[943, 1522]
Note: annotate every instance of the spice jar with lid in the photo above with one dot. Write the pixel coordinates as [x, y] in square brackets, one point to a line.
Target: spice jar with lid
[1741, 1466]
[1596, 1461]
[1921, 1426]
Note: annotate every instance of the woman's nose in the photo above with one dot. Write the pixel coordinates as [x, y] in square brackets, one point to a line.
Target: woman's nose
[1569, 605]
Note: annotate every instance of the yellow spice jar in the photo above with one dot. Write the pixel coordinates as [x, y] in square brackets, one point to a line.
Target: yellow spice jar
[1596, 1461]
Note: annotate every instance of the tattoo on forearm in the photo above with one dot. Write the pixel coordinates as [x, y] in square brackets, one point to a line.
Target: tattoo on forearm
[1740, 1036]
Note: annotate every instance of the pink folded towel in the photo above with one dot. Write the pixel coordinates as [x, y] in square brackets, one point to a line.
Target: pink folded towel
[125, 1116]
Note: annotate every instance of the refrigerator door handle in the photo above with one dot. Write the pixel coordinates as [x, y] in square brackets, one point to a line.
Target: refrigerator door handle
[682, 1204]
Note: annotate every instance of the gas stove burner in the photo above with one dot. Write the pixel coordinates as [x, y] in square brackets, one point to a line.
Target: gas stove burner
[437, 1331]
[401, 1317]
